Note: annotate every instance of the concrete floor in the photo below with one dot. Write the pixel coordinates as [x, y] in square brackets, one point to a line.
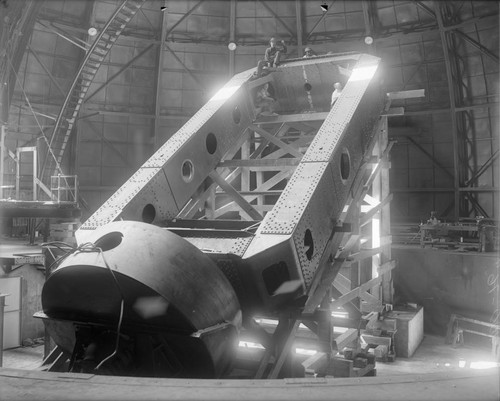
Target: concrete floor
[432, 356]
[433, 373]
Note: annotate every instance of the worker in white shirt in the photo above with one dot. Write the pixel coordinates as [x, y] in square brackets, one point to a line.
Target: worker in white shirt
[336, 93]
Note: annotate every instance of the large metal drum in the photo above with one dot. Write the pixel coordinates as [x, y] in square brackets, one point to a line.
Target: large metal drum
[170, 290]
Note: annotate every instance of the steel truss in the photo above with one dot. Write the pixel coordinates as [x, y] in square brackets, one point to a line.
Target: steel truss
[354, 277]
[467, 170]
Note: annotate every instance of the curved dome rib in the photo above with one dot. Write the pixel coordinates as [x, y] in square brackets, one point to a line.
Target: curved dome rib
[84, 77]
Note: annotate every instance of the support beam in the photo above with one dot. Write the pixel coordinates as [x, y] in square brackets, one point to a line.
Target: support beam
[118, 73]
[426, 8]
[447, 110]
[298, 21]
[431, 157]
[190, 73]
[3, 133]
[192, 10]
[270, 163]
[47, 71]
[363, 287]
[280, 20]
[319, 20]
[240, 201]
[483, 168]
[232, 36]
[70, 40]
[276, 141]
[159, 74]
[288, 118]
[110, 144]
[451, 90]
[275, 371]
[370, 214]
[477, 45]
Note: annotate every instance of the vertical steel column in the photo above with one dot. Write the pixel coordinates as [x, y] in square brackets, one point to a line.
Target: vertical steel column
[159, 74]
[368, 20]
[2, 308]
[2, 156]
[232, 30]
[451, 89]
[298, 18]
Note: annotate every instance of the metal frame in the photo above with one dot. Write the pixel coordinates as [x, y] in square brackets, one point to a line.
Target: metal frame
[465, 171]
[341, 276]
[34, 170]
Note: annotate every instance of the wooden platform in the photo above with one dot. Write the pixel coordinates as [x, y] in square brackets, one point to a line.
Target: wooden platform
[455, 385]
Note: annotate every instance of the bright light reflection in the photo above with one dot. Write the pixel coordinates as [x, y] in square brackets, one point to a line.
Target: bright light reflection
[248, 344]
[303, 351]
[484, 365]
[225, 93]
[363, 73]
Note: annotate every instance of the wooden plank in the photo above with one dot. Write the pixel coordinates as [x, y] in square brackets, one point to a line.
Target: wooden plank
[372, 212]
[409, 94]
[346, 338]
[394, 111]
[377, 340]
[355, 293]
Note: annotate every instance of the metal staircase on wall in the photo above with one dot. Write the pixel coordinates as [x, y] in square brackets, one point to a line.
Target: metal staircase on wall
[78, 90]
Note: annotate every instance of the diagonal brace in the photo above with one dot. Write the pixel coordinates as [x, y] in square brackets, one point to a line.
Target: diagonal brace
[229, 189]
[276, 141]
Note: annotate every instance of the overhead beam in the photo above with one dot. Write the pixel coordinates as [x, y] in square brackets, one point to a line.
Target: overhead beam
[192, 10]
[47, 71]
[72, 41]
[292, 33]
[319, 20]
[427, 9]
[110, 144]
[447, 110]
[477, 45]
[190, 73]
[119, 72]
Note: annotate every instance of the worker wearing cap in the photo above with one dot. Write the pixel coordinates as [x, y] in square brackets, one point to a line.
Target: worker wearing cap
[272, 56]
[308, 52]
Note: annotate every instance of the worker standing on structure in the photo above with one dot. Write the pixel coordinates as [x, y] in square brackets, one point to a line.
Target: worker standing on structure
[336, 93]
[272, 56]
